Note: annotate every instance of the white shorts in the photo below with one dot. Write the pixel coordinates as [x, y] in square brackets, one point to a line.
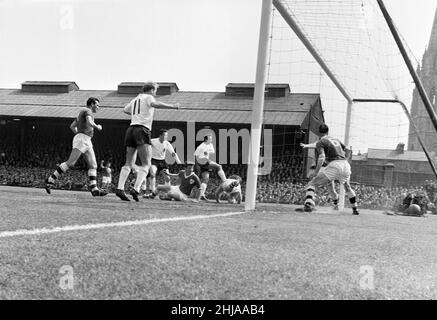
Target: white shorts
[82, 142]
[338, 170]
[177, 194]
[106, 179]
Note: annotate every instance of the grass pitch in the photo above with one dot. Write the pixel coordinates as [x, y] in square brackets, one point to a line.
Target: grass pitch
[170, 253]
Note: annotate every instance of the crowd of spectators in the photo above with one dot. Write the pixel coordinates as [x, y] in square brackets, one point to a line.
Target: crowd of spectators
[274, 191]
[30, 166]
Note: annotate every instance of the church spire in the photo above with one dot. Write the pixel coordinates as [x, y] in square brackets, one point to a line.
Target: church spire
[432, 47]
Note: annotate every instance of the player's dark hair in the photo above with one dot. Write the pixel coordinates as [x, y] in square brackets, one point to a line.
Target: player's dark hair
[206, 137]
[149, 86]
[91, 101]
[235, 177]
[162, 131]
[323, 128]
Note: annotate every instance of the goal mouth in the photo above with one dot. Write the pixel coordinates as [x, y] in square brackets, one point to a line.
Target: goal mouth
[350, 54]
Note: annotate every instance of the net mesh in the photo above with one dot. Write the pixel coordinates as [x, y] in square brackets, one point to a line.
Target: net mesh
[354, 41]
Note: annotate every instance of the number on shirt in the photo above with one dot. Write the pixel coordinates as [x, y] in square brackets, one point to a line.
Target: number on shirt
[135, 111]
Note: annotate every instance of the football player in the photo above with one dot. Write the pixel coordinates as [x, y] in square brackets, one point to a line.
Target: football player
[182, 191]
[231, 188]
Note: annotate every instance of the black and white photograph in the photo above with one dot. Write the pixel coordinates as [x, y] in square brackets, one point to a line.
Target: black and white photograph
[218, 155]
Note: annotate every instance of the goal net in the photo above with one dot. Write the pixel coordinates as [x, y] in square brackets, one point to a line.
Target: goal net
[343, 53]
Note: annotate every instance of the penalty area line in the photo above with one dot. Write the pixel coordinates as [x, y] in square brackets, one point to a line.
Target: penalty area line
[94, 226]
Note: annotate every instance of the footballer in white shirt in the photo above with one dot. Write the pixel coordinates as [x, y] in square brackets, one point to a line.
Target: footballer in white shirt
[137, 138]
[160, 147]
[204, 165]
[231, 188]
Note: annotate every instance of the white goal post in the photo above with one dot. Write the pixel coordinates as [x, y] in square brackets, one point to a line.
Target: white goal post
[258, 102]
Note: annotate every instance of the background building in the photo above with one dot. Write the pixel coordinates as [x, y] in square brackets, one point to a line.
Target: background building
[34, 124]
[428, 75]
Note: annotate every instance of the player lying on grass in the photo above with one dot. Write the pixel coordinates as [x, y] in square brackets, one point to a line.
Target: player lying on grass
[187, 180]
[231, 188]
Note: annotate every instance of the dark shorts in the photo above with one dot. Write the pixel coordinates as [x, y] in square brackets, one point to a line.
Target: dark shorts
[160, 165]
[137, 135]
[200, 168]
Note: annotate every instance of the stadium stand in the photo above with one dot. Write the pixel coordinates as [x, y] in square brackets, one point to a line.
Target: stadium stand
[34, 136]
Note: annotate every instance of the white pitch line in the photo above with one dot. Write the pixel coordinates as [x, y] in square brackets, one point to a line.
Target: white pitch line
[26, 232]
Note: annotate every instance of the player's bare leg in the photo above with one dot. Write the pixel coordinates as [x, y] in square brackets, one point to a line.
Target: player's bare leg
[131, 156]
[152, 182]
[171, 194]
[62, 168]
[145, 188]
[320, 180]
[333, 194]
[352, 197]
[90, 158]
[219, 170]
[203, 185]
[145, 154]
[218, 193]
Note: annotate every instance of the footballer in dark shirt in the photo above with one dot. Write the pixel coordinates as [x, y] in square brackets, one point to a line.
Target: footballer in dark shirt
[187, 181]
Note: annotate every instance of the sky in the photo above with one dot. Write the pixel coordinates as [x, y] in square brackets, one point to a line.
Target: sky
[200, 44]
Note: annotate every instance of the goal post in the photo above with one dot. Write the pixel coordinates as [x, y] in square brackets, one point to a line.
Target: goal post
[258, 106]
[355, 46]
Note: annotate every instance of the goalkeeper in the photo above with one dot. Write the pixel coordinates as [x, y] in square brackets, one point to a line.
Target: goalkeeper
[231, 188]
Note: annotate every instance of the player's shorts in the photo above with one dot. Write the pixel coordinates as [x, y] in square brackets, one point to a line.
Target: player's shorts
[338, 170]
[177, 194]
[137, 135]
[160, 165]
[106, 179]
[236, 190]
[200, 168]
[82, 142]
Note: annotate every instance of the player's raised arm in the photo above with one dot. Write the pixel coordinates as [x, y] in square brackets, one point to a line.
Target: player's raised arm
[73, 126]
[162, 105]
[308, 146]
[172, 175]
[176, 157]
[173, 153]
